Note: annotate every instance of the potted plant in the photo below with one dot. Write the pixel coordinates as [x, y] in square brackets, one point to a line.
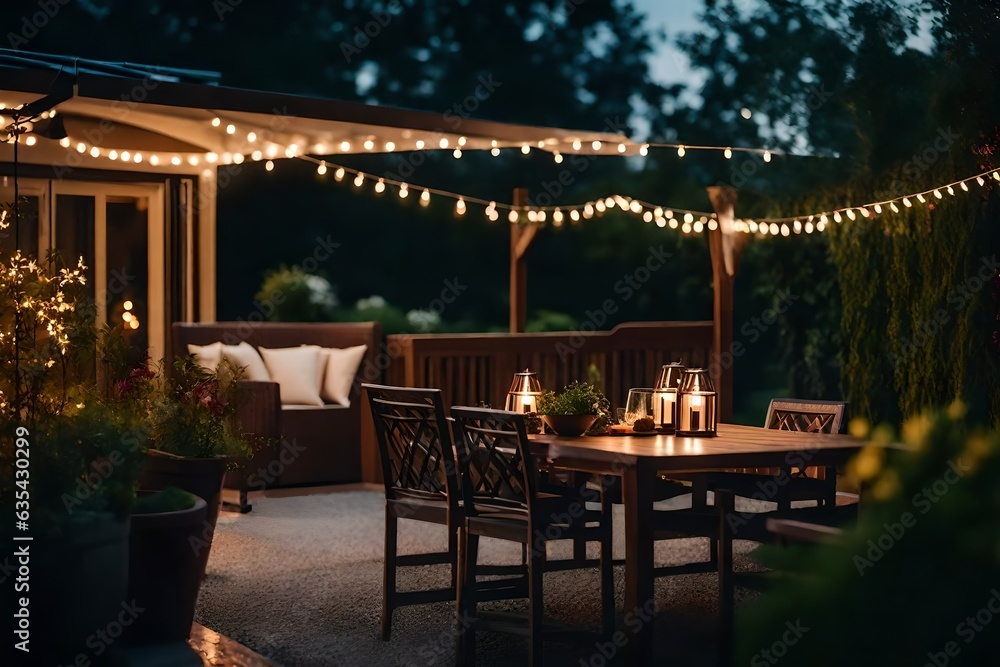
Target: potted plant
[578, 408]
[165, 572]
[74, 459]
[193, 433]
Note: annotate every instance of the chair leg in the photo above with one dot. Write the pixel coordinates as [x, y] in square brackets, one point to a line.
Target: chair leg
[454, 539]
[726, 502]
[389, 575]
[607, 585]
[466, 625]
[536, 641]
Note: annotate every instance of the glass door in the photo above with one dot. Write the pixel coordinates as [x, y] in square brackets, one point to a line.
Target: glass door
[118, 230]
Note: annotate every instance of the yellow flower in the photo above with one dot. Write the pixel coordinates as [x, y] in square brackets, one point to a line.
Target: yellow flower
[957, 409]
[859, 427]
[867, 464]
[886, 487]
[916, 430]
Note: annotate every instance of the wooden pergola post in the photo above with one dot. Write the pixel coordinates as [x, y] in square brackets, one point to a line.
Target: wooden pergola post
[723, 247]
[521, 236]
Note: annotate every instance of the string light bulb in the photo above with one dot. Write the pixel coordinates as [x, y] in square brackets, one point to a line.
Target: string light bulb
[512, 216]
[359, 180]
[420, 144]
[462, 141]
[906, 202]
[921, 199]
[557, 157]
[64, 142]
[457, 153]
[425, 197]
[339, 174]
[251, 137]
[237, 158]
[321, 169]
[216, 122]
[574, 215]
[577, 145]
[154, 160]
[269, 165]
[525, 149]
[878, 208]
[979, 179]
[380, 186]
[494, 151]
[850, 214]
[937, 194]
[767, 156]
[460, 206]
[345, 146]
[390, 146]
[256, 156]
[621, 148]
[81, 147]
[112, 154]
[728, 153]
[681, 152]
[30, 140]
[443, 143]
[596, 145]
[404, 191]
[892, 205]
[96, 152]
[230, 129]
[965, 188]
[644, 150]
[369, 144]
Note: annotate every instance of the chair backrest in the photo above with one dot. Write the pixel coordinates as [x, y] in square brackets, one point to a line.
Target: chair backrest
[789, 414]
[414, 442]
[494, 459]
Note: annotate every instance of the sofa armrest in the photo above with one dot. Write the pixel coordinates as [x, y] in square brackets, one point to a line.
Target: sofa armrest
[261, 414]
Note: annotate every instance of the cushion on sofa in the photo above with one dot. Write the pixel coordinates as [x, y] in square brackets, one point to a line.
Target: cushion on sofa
[341, 365]
[298, 372]
[245, 356]
[207, 356]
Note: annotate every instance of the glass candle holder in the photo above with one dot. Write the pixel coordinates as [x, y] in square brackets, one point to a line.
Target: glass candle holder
[697, 405]
[665, 396]
[524, 393]
[638, 406]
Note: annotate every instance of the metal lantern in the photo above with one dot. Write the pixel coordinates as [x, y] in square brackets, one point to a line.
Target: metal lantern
[665, 396]
[697, 405]
[524, 392]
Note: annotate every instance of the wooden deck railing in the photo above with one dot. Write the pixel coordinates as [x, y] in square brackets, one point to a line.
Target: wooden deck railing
[470, 368]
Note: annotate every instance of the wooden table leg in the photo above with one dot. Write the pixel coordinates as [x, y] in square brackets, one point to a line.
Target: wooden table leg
[638, 482]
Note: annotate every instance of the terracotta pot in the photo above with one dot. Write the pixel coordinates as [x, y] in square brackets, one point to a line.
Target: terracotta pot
[165, 572]
[569, 425]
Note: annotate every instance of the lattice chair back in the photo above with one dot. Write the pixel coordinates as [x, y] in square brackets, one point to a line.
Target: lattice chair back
[414, 441]
[786, 414]
[494, 460]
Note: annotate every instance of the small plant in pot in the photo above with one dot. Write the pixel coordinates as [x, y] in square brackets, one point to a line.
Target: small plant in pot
[579, 408]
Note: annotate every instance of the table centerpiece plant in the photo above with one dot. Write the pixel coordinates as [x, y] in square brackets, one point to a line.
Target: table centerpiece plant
[579, 408]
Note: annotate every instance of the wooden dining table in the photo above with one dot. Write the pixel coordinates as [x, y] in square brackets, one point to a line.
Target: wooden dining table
[638, 459]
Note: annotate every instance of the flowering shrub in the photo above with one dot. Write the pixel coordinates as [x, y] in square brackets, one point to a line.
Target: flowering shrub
[194, 411]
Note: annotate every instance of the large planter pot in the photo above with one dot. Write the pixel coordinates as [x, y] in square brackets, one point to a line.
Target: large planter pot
[78, 593]
[165, 572]
[200, 476]
[569, 425]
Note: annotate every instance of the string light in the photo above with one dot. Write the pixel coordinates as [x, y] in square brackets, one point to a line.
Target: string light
[558, 158]
[339, 174]
[216, 121]
[767, 156]
[369, 144]
[390, 146]
[460, 206]
[256, 156]
[457, 153]
[269, 165]
[321, 169]
[596, 145]
[512, 216]
[525, 149]
[380, 186]
[230, 129]
[681, 151]
[420, 144]
[443, 143]
[728, 153]
[251, 137]
[237, 158]
[404, 191]
[425, 197]
[359, 180]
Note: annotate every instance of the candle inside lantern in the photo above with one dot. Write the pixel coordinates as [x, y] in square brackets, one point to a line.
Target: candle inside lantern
[524, 393]
[697, 402]
[528, 403]
[665, 396]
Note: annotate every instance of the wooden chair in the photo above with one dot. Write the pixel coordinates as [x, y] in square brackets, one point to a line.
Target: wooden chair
[502, 500]
[722, 524]
[421, 483]
[785, 485]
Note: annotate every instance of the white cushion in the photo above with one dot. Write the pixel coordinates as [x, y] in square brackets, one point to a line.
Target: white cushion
[298, 372]
[207, 356]
[341, 366]
[245, 356]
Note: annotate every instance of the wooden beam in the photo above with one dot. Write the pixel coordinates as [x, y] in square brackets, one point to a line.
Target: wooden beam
[723, 200]
[521, 236]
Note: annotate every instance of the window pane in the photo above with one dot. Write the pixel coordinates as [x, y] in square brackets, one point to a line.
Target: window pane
[128, 269]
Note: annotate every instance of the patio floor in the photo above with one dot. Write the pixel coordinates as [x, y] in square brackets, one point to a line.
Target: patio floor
[204, 648]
